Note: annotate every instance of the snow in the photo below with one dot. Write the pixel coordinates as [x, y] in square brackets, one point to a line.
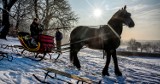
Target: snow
[135, 69]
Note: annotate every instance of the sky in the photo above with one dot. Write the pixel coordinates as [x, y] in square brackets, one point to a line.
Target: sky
[145, 13]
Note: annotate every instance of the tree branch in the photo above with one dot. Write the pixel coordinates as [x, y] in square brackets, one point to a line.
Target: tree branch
[11, 3]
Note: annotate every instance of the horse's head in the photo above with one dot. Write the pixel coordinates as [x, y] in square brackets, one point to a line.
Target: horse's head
[124, 16]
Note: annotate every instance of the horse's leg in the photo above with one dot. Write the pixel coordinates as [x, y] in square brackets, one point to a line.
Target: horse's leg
[74, 49]
[114, 56]
[71, 53]
[105, 69]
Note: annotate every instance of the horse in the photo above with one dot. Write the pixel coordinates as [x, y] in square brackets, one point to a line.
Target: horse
[106, 38]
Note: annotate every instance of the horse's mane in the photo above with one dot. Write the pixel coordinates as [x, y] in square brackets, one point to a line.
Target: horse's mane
[117, 13]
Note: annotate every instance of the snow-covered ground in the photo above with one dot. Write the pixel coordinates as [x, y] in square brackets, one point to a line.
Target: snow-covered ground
[135, 69]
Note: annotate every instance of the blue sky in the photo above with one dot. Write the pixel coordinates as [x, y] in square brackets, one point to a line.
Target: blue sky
[145, 13]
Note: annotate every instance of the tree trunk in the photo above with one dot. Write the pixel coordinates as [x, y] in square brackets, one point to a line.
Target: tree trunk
[36, 8]
[18, 16]
[46, 25]
[5, 17]
[5, 21]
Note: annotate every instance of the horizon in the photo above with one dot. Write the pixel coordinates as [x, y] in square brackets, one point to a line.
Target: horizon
[145, 13]
[140, 40]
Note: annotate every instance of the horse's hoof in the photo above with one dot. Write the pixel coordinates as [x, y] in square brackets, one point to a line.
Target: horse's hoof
[104, 73]
[118, 73]
[79, 69]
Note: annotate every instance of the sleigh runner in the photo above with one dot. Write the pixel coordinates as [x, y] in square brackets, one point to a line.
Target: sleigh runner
[57, 72]
[5, 55]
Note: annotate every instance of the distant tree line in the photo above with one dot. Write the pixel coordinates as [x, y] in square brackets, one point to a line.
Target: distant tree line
[134, 45]
[18, 14]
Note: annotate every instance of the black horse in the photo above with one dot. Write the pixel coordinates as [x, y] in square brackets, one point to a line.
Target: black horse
[106, 38]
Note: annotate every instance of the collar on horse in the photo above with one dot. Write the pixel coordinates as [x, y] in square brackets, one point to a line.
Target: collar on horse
[114, 32]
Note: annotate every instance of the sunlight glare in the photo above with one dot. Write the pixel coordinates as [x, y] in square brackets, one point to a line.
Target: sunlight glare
[97, 12]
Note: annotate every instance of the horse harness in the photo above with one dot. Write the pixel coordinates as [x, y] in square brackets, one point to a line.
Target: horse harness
[115, 33]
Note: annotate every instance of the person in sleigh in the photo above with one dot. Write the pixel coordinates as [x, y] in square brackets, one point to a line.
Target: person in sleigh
[36, 28]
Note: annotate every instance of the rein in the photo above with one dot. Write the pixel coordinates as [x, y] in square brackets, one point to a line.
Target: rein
[94, 37]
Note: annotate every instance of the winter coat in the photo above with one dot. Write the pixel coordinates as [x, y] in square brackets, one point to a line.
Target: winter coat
[36, 29]
[58, 36]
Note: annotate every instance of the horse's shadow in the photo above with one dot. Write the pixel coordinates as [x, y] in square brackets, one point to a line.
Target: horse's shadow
[121, 79]
[113, 80]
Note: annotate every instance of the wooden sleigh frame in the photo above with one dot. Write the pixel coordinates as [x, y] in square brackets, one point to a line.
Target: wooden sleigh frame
[57, 72]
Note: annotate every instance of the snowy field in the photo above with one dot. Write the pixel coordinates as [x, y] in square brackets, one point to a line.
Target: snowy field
[135, 69]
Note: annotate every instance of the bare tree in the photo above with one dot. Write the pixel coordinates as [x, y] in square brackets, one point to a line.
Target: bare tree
[134, 45]
[36, 8]
[131, 44]
[52, 13]
[158, 47]
[20, 11]
[138, 45]
[146, 46]
[55, 13]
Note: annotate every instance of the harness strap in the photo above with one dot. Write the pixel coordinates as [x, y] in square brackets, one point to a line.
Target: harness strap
[114, 32]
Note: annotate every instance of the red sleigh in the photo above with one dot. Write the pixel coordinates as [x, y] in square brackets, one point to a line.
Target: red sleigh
[45, 44]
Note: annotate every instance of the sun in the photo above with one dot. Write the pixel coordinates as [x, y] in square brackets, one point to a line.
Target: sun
[97, 12]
